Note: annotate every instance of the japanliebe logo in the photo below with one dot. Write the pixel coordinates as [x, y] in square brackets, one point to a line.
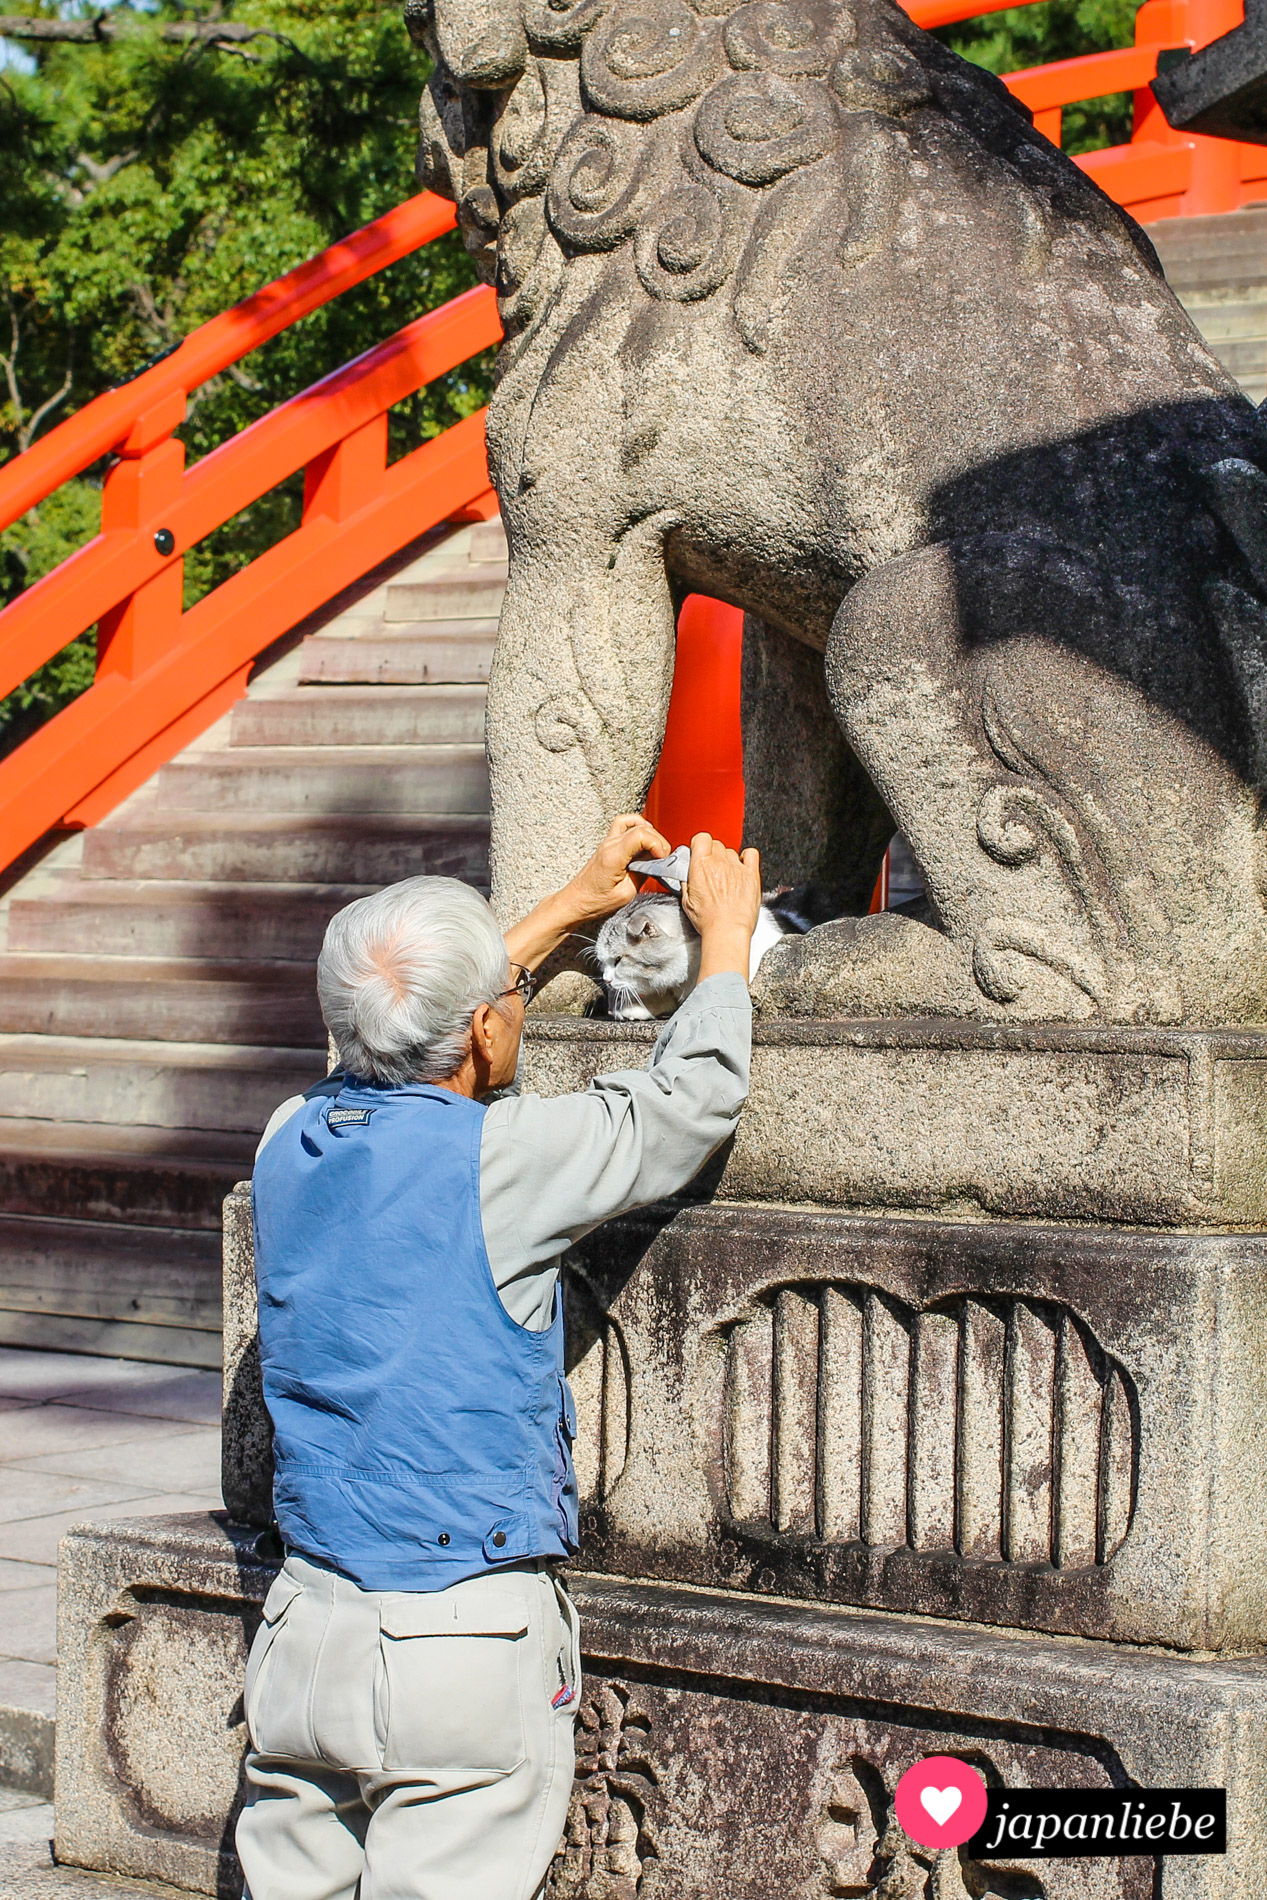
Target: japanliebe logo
[940, 1802]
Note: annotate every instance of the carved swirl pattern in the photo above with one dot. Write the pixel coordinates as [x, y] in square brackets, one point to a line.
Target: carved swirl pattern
[776, 88]
[681, 250]
[757, 127]
[797, 41]
[648, 57]
[598, 187]
[880, 79]
[689, 110]
[521, 152]
[560, 26]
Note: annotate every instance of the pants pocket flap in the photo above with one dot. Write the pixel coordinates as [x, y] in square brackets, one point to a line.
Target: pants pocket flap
[281, 1595]
[491, 1614]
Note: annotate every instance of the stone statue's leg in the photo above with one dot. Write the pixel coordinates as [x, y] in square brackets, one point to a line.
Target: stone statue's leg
[809, 807]
[577, 701]
[1089, 854]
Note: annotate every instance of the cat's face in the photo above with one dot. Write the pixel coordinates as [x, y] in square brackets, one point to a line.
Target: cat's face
[648, 958]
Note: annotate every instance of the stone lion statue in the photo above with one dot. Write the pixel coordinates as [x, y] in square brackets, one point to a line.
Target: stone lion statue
[800, 312]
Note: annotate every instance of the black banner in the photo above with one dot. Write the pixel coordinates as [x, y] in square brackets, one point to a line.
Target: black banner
[1068, 1823]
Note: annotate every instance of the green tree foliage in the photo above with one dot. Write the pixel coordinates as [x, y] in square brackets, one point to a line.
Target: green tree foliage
[146, 187]
[1056, 29]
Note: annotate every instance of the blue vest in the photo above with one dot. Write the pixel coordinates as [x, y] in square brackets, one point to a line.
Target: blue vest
[420, 1434]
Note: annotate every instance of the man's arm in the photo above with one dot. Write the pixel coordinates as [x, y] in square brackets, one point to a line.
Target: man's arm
[599, 888]
[552, 1170]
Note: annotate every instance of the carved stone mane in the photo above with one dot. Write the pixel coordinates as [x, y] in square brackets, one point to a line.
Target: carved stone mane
[705, 138]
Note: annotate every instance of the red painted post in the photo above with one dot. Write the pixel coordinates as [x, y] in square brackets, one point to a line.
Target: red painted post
[144, 481]
[698, 784]
[349, 476]
[1214, 182]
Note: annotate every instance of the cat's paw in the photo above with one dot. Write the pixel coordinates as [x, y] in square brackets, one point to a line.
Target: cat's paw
[627, 1009]
[867, 966]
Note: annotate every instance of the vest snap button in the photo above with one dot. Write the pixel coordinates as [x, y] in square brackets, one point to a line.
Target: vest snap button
[499, 1538]
[443, 1538]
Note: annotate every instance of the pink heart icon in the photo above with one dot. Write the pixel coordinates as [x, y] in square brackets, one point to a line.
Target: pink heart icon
[940, 1802]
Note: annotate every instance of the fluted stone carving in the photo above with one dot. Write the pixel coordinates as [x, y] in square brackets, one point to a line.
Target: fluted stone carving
[800, 311]
[996, 1426]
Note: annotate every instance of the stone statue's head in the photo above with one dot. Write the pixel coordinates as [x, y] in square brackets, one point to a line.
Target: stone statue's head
[691, 131]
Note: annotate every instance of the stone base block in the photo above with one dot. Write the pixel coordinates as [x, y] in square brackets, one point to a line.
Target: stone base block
[1048, 1427]
[28, 1872]
[729, 1748]
[155, 1618]
[1049, 1120]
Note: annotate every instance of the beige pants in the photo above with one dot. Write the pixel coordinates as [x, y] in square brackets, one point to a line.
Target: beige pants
[405, 1745]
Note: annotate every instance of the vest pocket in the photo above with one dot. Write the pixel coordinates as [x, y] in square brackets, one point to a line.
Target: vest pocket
[452, 1688]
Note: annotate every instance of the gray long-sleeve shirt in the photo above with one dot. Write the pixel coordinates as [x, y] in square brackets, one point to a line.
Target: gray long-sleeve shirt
[552, 1169]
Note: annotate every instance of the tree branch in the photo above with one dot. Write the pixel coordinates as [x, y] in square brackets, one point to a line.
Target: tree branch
[103, 28]
[9, 359]
[102, 174]
[46, 408]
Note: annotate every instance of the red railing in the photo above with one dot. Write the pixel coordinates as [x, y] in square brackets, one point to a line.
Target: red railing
[1161, 173]
[164, 675]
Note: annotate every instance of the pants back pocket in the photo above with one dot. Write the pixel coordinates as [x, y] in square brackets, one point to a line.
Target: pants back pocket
[453, 1682]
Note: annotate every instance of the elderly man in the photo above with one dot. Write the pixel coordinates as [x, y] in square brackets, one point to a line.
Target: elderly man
[411, 1693]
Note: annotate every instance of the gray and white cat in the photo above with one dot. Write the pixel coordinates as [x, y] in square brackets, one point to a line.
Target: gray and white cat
[648, 953]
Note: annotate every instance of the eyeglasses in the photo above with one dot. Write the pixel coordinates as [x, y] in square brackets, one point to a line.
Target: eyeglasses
[525, 983]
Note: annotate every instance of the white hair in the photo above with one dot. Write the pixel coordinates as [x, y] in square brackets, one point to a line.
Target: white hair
[402, 972]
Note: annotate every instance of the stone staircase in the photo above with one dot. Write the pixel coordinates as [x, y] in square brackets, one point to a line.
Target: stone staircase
[156, 973]
[1217, 267]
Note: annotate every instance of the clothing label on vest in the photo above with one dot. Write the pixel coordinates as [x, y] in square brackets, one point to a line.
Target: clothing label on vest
[342, 1117]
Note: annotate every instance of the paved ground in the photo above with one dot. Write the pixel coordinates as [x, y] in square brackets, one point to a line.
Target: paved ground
[86, 1438]
[26, 1862]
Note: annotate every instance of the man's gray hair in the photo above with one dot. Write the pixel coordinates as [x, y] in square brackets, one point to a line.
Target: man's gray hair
[402, 972]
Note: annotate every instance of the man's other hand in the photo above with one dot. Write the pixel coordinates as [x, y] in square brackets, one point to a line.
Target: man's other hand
[722, 898]
[604, 884]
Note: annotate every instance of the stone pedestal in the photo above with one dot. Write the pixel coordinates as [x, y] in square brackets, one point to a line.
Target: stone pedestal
[727, 1746]
[917, 1426]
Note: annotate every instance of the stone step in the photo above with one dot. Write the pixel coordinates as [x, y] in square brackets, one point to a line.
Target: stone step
[134, 917]
[1229, 321]
[372, 848]
[1228, 248]
[452, 596]
[172, 1085]
[375, 715]
[95, 1286]
[149, 1177]
[168, 999]
[323, 780]
[488, 541]
[264, 922]
[28, 1872]
[409, 655]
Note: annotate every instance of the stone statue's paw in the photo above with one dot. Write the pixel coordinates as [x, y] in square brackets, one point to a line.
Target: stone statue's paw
[571, 993]
[867, 966]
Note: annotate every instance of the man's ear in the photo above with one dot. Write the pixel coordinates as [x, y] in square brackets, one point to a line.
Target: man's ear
[481, 1035]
